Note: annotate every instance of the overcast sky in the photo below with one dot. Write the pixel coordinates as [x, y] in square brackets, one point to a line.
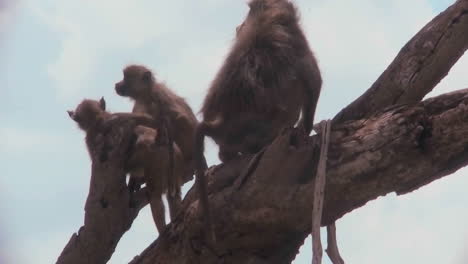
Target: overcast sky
[54, 53]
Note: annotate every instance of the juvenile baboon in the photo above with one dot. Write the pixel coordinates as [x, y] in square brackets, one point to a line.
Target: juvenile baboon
[147, 162]
[268, 79]
[163, 105]
[172, 113]
[90, 116]
[154, 159]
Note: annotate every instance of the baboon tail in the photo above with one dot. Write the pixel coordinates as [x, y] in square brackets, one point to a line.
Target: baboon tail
[201, 184]
[312, 82]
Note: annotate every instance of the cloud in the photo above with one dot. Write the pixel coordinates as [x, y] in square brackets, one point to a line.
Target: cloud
[166, 33]
[354, 43]
[90, 30]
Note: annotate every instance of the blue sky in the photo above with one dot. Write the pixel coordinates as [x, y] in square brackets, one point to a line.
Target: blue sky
[55, 53]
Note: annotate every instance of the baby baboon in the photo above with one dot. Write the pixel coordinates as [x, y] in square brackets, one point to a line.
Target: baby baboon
[154, 160]
[90, 116]
[269, 77]
[146, 163]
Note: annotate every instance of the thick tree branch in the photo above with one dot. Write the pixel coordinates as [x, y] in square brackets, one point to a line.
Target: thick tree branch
[109, 210]
[421, 64]
[263, 213]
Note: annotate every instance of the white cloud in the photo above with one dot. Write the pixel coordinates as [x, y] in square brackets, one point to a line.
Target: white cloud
[354, 43]
[89, 30]
[359, 36]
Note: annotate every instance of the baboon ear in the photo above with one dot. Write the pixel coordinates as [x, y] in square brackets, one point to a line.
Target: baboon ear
[147, 76]
[71, 114]
[102, 103]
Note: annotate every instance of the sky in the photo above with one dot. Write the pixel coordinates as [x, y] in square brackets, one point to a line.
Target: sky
[54, 53]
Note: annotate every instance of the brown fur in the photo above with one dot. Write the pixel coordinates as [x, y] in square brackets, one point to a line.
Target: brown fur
[145, 163]
[155, 163]
[90, 116]
[154, 98]
[269, 77]
[176, 116]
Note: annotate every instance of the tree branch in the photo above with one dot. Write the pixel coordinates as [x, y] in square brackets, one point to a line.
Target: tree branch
[109, 212]
[421, 64]
[263, 216]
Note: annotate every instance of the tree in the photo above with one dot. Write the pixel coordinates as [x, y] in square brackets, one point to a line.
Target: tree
[388, 140]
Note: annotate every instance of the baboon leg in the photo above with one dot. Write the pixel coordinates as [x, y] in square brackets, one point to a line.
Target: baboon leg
[157, 210]
[134, 184]
[174, 199]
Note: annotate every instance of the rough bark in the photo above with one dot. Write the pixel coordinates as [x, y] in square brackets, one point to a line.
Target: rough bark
[262, 208]
[109, 212]
[419, 66]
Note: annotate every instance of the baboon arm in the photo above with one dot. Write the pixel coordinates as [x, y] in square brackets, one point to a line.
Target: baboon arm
[201, 184]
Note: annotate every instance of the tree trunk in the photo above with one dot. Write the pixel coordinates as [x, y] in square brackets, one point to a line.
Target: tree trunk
[109, 212]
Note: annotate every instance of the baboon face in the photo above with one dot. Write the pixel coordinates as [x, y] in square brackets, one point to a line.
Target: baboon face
[87, 111]
[136, 82]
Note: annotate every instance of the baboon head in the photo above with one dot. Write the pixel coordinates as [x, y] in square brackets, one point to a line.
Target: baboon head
[87, 112]
[137, 82]
[266, 12]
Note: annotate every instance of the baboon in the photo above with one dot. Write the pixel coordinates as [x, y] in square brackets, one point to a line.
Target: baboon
[146, 159]
[268, 79]
[164, 106]
[154, 159]
[173, 114]
[90, 116]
